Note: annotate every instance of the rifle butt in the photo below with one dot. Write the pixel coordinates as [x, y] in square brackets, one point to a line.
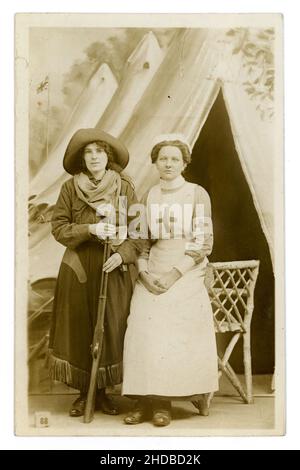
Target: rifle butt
[91, 396]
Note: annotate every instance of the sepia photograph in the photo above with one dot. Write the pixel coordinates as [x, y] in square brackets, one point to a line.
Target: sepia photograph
[149, 225]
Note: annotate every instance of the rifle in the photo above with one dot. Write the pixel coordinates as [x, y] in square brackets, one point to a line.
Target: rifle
[96, 347]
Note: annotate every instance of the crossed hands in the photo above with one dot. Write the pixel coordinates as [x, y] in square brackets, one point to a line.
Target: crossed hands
[161, 285]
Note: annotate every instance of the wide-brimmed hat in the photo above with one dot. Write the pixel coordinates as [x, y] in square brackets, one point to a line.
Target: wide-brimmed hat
[83, 137]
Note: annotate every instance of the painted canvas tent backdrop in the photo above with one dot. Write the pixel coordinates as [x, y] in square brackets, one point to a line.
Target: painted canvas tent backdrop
[138, 73]
[179, 98]
[90, 106]
[198, 79]
[139, 70]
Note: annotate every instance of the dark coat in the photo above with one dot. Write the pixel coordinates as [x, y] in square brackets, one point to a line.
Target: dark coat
[77, 291]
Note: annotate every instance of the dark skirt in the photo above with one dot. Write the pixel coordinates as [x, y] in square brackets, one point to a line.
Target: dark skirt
[75, 316]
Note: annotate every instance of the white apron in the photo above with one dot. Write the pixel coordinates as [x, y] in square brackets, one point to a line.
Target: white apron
[170, 346]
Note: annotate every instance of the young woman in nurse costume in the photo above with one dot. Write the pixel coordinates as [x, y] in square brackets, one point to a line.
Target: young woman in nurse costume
[170, 347]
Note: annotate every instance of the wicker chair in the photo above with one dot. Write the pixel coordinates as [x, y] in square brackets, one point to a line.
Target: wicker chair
[231, 287]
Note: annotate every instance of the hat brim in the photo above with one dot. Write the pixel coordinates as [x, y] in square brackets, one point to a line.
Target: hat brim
[83, 137]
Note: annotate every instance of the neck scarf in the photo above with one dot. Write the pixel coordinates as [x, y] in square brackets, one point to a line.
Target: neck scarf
[95, 193]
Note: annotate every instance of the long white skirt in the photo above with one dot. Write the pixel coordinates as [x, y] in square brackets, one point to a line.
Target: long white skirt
[170, 345]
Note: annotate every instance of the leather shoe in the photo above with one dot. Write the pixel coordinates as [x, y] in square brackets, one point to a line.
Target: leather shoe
[106, 405]
[78, 406]
[202, 405]
[138, 415]
[161, 418]
[161, 412]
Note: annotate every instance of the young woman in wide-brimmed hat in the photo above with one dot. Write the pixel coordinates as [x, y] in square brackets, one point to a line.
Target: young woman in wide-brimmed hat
[170, 347]
[95, 160]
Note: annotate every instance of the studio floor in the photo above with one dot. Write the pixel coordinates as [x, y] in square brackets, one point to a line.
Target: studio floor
[228, 416]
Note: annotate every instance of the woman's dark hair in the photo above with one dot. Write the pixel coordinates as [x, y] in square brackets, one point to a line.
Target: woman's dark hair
[111, 163]
[186, 154]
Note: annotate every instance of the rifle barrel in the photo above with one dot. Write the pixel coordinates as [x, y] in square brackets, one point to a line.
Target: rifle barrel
[96, 347]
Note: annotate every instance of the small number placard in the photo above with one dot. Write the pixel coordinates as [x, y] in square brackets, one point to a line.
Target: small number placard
[42, 419]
